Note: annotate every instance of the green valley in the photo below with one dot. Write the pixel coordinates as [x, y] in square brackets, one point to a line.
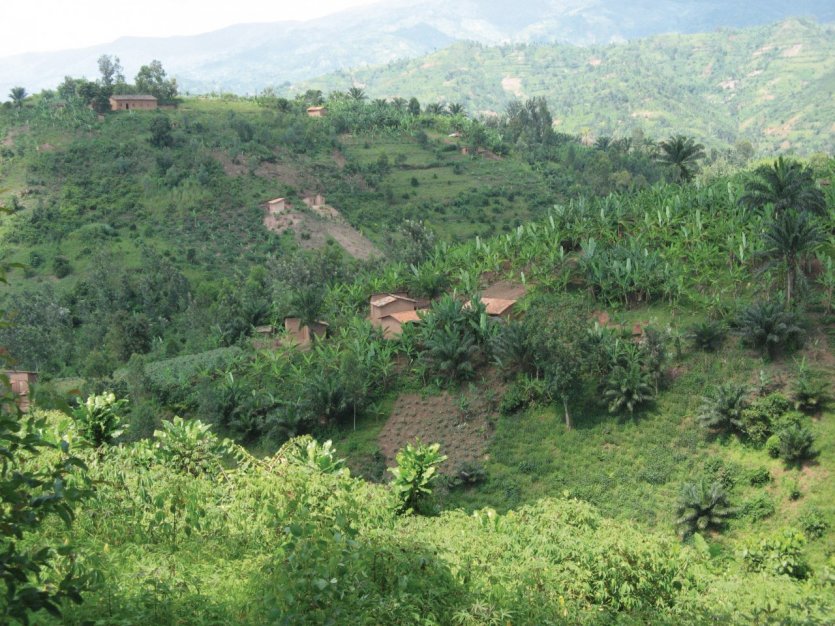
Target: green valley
[332, 359]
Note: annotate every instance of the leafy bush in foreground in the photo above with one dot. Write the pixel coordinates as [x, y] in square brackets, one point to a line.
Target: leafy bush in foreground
[414, 476]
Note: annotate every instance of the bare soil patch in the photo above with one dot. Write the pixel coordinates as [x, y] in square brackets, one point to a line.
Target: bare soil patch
[464, 437]
[313, 231]
[505, 290]
[793, 51]
[513, 84]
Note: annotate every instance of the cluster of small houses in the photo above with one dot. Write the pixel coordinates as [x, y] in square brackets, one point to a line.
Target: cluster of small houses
[147, 102]
[387, 311]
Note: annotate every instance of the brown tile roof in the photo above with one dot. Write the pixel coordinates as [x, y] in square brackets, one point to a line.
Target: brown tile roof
[388, 298]
[494, 306]
[405, 316]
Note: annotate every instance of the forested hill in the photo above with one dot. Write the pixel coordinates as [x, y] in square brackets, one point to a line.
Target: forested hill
[246, 58]
[772, 85]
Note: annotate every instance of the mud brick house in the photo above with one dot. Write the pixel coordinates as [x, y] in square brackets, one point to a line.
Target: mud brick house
[20, 383]
[384, 304]
[303, 335]
[137, 102]
[316, 111]
[392, 324]
[276, 206]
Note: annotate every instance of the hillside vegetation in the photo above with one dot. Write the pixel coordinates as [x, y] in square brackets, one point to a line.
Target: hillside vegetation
[647, 437]
[772, 85]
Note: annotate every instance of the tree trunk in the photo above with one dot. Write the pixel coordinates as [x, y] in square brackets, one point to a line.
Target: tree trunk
[355, 416]
[568, 423]
[789, 285]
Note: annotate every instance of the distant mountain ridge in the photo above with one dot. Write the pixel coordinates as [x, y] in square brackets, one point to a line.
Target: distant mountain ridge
[773, 85]
[246, 58]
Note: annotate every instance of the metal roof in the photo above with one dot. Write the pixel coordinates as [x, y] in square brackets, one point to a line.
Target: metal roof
[134, 97]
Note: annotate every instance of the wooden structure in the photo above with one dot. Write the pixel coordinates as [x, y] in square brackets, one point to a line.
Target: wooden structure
[384, 304]
[303, 335]
[135, 102]
[317, 111]
[20, 383]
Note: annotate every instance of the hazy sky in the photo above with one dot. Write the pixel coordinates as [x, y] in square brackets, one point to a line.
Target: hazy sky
[41, 25]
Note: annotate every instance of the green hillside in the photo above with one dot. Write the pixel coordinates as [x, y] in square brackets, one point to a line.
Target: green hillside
[770, 85]
[646, 437]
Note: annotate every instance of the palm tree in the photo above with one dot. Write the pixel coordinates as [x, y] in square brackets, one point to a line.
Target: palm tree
[399, 103]
[18, 95]
[356, 94]
[456, 108]
[722, 407]
[307, 304]
[790, 239]
[435, 108]
[784, 184]
[682, 153]
[702, 506]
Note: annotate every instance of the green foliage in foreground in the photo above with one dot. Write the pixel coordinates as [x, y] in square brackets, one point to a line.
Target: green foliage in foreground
[283, 540]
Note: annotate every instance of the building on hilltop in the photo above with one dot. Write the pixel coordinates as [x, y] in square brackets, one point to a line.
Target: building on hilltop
[135, 102]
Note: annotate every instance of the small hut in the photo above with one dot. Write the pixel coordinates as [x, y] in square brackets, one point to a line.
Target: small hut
[277, 206]
[20, 383]
[392, 324]
[317, 111]
[300, 335]
[135, 102]
[383, 304]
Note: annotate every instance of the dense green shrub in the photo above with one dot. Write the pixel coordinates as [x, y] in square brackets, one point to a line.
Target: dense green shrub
[707, 336]
[814, 524]
[771, 328]
[758, 508]
[722, 408]
[524, 392]
[781, 555]
[763, 417]
[61, 267]
[796, 443]
[414, 476]
[759, 476]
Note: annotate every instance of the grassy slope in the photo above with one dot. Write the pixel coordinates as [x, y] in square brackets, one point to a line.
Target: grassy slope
[175, 219]
[771, 85]
[632, 468]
